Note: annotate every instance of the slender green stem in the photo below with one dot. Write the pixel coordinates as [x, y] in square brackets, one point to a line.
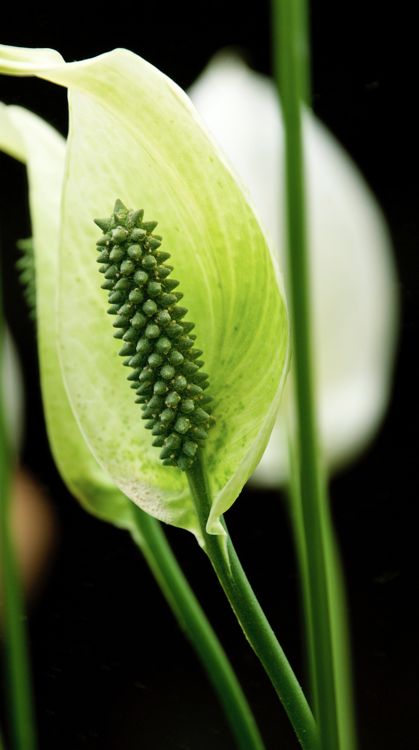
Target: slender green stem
[193, 621]
[337, 611]
[250, 615]
[17, 666]
[303, 42]
[314, 533]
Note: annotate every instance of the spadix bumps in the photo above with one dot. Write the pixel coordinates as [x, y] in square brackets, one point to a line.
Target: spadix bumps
[158, 344]
[26, 269]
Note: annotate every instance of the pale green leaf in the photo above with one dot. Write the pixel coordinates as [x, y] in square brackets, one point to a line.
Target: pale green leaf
[134, 135]
[32, 141]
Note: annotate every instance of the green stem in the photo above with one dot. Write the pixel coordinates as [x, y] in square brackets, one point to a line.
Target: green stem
[153, 543]
[314, 533]
[250, 615]
[17, 664]
[337, 611]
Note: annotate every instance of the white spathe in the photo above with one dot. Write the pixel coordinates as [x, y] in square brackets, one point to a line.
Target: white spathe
[354, 288]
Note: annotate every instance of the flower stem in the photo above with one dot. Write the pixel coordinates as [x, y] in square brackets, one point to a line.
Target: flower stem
[326, 637]
[152, 541]
[250, 615]
[17, 663]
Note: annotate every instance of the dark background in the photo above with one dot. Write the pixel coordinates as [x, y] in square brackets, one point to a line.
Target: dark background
[111, 668]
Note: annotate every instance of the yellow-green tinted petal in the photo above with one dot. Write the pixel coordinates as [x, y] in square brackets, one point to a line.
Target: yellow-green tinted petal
[135, 136]
[32, 141]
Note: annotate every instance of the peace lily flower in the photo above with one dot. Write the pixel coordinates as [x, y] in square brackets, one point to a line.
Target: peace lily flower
[353, 276]
[135, 136]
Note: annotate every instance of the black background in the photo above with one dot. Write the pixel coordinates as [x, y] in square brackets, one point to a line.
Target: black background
[111, 668]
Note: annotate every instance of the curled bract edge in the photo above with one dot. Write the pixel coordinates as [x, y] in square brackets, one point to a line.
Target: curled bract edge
[32, 141]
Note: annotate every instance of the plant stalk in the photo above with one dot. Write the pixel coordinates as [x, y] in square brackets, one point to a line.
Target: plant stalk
[16, 650]
[250, 614]
[192, 619]
[323, 597]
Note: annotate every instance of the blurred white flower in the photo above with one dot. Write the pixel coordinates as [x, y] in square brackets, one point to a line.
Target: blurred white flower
[355, 308]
